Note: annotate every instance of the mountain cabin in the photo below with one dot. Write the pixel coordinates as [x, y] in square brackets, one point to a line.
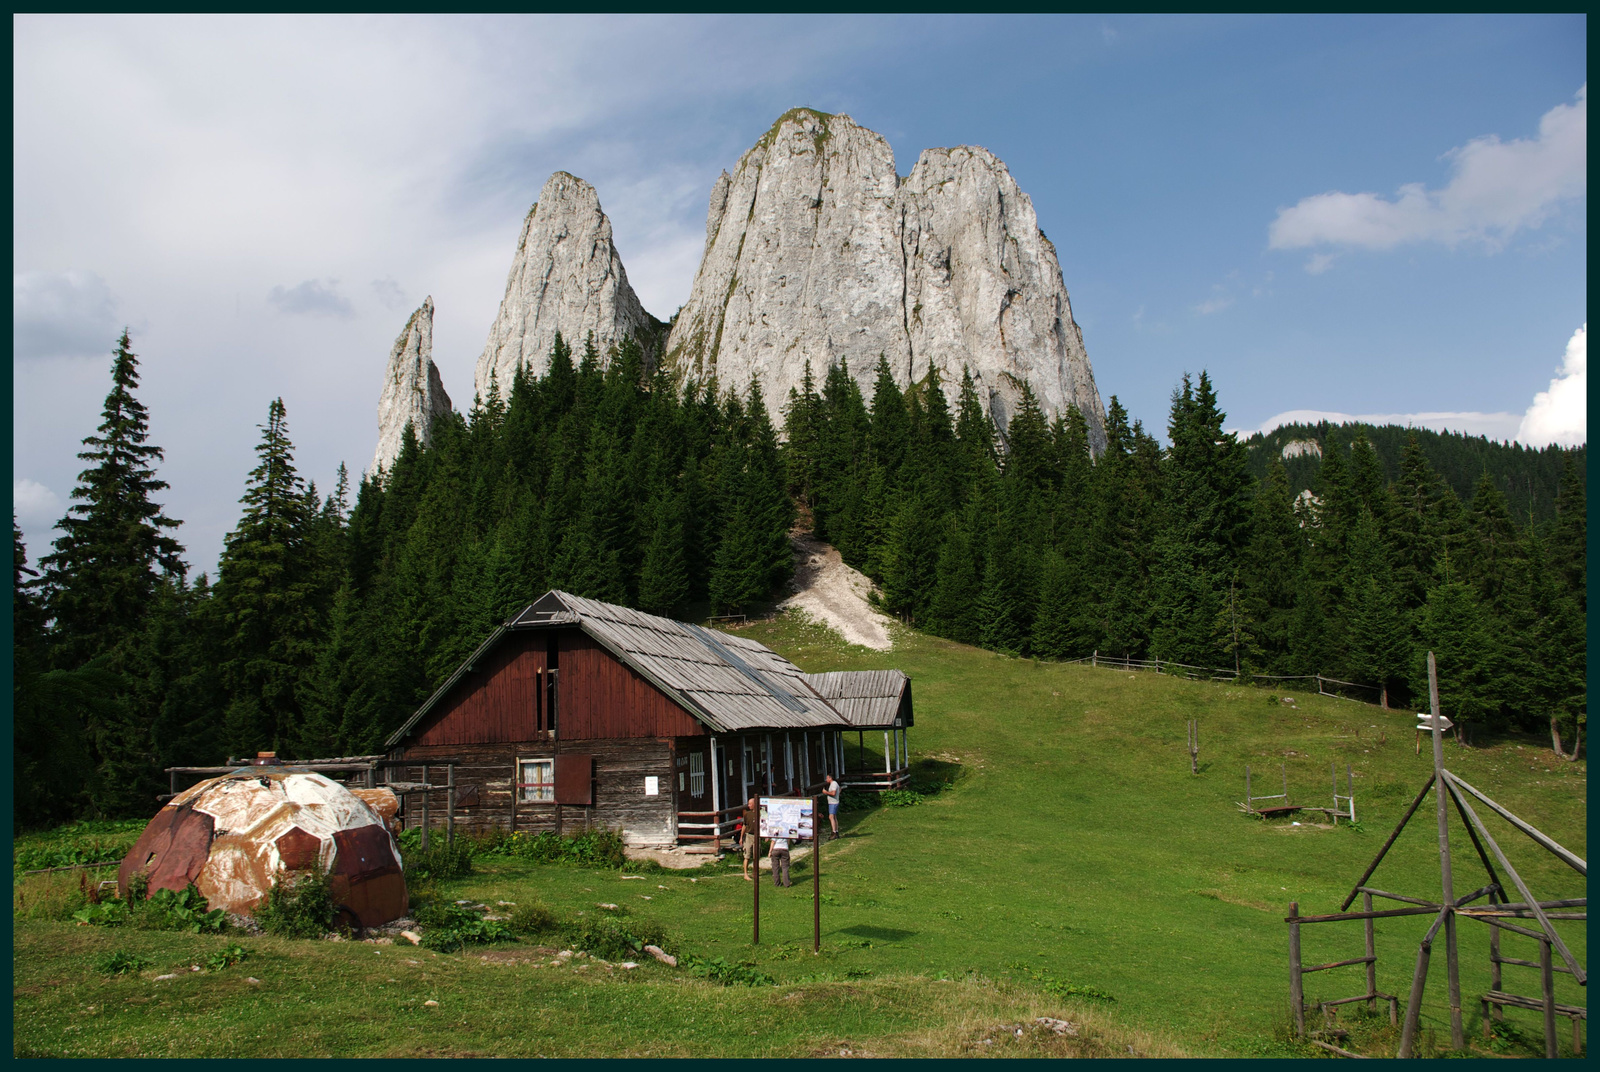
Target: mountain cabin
[577, 714]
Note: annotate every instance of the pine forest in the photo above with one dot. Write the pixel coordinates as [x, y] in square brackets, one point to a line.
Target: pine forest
[333, 615]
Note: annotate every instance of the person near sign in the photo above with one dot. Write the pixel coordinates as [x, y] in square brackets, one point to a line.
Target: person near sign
[779, 856]
[750, 846]
[833, 792]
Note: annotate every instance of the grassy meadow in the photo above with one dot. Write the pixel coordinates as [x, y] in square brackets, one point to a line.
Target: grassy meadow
[1076, 869]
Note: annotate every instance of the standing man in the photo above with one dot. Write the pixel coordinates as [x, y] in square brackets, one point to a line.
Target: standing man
[780, 861]
[833, 792]
[750, 847]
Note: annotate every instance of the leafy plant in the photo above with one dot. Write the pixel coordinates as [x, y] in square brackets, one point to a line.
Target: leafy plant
[300, 905]
[1063, 989]
[596, 848]
[104, 914]
[448, 927]
[180, 910]
[443, 859]
[720, 970]
[900, 798]
[226, 957]
[607, 936]
[532, 919]
[121, 962]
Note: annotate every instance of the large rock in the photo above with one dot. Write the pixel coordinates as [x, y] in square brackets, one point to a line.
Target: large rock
[566, 277]
[815, 251]
[413, 393]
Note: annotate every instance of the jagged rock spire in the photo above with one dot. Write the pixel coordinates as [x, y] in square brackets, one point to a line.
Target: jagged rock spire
[412, 390]
[566, 277]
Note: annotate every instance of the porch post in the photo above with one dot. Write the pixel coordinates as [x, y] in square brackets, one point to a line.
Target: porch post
[716, 800]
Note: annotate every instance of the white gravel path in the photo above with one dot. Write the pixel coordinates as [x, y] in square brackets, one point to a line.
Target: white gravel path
[835, 595]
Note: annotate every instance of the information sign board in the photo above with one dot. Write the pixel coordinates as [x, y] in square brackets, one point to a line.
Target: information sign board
[788, 817]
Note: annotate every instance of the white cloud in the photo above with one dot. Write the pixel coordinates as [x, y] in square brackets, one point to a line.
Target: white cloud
[34, 504]
[312, 298]
[1497, 189]
[1214, 305]
[1500, 426]
[1561, 414]
[62, 314]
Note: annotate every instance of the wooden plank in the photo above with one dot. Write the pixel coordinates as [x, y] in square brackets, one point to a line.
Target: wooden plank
[1378, 859]
[1338, 964]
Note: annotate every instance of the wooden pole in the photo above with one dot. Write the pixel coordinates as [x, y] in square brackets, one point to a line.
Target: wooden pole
[716, 800]
[1297, 999]
[1408, 1033]
[425, 795]
[1372, 955]
[1458, 1039]
[1522, 887]
[755, 883]
[1571, 859]
[1548, 980]
[1494, 975]
[816, 874]
[1378, 859]
[516, 776]
[1247, 802]
[450, 804]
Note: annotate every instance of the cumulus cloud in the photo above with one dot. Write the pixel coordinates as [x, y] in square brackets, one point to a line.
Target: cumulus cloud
[62, 314]
[1214, 305]
[1501, 426]
[1496, 189]
[33, 503]
[312, 298]
[1560, 415]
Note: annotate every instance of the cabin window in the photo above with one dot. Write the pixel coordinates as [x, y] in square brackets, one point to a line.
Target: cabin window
[697, 774]
[538, 781]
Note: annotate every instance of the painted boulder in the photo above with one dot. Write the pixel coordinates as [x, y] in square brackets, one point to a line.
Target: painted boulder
[232, 836]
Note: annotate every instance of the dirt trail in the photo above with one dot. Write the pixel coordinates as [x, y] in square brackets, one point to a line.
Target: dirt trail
[835, 594]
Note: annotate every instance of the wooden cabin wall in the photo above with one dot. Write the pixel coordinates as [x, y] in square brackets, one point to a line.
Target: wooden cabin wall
[495, 702]
[602, 697]
[621, 767]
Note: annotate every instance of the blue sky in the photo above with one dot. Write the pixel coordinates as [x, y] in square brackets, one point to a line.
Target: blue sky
[1333, 214]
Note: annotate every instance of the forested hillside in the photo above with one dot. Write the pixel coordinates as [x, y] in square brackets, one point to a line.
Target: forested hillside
[1529, 478]
[329, 621]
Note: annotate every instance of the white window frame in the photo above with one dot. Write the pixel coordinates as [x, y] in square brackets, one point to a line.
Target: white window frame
[544, 789]
[697, 774]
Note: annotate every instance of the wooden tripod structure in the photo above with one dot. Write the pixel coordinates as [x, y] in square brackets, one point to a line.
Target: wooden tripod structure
[1450, 790]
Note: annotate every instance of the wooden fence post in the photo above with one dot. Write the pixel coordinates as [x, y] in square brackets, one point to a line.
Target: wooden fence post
[1548, 979]
[1408, 1033]
[1297, 1000]
[1371, 954]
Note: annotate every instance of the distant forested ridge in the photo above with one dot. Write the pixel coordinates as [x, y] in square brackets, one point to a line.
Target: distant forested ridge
[1529, 477]
[329, 620]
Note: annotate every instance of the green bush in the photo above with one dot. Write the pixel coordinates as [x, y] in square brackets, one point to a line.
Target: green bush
[299, 906]
[900, 798]
[179, 910]
[121, 963]
[164, 910]
[441, 860]
[612, 938]
[533, 919]
[719, 970]
[597, 848]
[448, 927]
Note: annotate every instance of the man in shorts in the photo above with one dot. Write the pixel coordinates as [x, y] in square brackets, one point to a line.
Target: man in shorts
[750, 846]
[833, 792]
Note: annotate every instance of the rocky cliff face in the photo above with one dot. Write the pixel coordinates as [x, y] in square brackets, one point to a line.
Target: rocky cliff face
[566, 277]
[412, 391]
[816, 251]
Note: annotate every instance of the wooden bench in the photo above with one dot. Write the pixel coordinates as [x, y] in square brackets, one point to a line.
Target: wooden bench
[1574, 1012]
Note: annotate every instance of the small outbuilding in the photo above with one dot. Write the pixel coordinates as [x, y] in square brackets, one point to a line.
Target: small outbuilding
[579, 714]
[234, 835]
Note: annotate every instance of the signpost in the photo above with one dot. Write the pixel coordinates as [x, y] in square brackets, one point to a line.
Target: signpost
[795, 819]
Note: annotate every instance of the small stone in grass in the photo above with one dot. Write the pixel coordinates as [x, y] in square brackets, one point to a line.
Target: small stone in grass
[430, 1003]
[629, 964]
[252, 980]
[174, 975]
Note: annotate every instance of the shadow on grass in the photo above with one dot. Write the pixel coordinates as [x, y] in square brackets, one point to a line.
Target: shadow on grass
[878, 934]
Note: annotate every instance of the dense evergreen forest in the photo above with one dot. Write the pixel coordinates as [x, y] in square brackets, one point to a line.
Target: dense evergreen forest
[329, 620]
[1530, 478]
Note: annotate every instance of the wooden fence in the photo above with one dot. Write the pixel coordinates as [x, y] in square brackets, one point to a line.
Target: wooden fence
[1326, 686]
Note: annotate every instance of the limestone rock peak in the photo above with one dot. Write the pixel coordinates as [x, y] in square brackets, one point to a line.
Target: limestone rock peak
[413, 393]
[567, 277]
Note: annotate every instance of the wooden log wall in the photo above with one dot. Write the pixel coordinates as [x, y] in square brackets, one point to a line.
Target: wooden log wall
[621, 767]
[601, 697]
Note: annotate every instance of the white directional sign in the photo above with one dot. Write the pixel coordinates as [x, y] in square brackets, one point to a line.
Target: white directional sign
[787, 817]
[1425, 722]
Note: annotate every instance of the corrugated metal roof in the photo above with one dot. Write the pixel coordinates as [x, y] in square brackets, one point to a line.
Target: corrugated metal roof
[731, 683]
[868, 699]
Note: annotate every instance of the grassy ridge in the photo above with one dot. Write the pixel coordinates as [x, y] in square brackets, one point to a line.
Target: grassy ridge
[1075, 859]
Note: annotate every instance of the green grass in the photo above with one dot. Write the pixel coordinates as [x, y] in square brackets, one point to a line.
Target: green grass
[1075, 860]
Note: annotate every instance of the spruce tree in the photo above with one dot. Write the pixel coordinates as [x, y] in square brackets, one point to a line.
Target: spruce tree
[266, 597]
[114, 545]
